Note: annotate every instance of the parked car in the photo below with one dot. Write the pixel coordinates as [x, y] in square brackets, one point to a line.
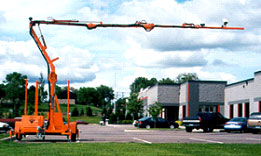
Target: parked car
[148, 122]
[208, 121]
[135, 123]
[4, 127]
[11, 122]
[254, 122]
[236, 124]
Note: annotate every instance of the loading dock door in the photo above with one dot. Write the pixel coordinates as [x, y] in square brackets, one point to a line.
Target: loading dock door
[231, 111]
[246, 109]
[172, 113]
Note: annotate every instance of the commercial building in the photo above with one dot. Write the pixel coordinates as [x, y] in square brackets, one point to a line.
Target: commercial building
[244, 97]
[186, 99]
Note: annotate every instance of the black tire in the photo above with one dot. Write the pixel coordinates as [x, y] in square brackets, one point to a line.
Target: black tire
[228, 131]
[245, 130]
[254, 131]
[176, 125]
[207, 129]
[188, 129]
[73, 137]
[18, 137]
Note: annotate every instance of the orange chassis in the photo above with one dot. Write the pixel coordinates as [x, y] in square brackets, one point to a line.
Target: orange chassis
[37, 125]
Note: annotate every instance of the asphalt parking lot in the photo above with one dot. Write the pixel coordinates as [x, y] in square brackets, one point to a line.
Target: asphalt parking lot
[127, 133]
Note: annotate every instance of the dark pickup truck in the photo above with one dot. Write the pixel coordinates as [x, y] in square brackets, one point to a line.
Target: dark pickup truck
[205, 120]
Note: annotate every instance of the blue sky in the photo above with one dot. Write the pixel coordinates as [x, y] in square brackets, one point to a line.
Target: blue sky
[115, 57]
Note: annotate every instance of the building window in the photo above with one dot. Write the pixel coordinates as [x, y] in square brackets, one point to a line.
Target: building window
[231, 111]
[207, 108]
[239, 113]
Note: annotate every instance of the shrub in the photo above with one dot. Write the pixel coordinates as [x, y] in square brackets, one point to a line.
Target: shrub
[112, 118]
[82, 113]
[95, 113]
[128, 117]
[75, 112]
[126, 122]
[89, 111]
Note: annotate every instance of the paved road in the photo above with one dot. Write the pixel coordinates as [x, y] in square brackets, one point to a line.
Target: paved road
[126, 133]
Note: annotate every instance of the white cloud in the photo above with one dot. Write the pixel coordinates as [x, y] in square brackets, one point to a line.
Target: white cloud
[151, 58]
[74, 64]
[92, 57]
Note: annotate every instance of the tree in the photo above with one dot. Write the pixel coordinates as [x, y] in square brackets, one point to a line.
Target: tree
[154, 110]
[135, 106]
[88, 96]
[58, 92]
[31, 99]
[88, 111]
[166, 81]
[106, 94]
[75, 112]
[2, 91]
[142, 82]
[42, 92]
[186, 76]
[15, 88]
[120, 108]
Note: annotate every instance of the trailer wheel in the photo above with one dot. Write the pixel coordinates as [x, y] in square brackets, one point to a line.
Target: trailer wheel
[18, 137]
[73, 137]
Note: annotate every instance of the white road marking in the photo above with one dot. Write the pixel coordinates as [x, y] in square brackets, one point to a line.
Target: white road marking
[206, 140]
[134, 130]
[143, 140]
[253, 139]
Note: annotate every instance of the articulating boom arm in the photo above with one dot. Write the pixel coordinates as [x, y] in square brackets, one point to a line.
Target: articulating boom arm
[52, 77]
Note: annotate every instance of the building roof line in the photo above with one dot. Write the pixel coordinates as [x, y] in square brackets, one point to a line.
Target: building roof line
[239, 82]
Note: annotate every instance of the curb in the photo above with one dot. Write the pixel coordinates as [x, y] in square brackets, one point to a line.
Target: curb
[7, 138]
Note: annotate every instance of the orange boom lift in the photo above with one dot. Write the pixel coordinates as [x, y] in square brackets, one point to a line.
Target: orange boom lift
[54, 124]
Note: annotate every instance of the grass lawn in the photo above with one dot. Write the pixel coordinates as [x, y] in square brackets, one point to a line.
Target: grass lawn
[90, 120]
[3, 135]
[123, 149]
[44, 107]
[93, 119]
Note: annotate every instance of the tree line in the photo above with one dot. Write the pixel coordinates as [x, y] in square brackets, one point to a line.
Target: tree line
[12, 90]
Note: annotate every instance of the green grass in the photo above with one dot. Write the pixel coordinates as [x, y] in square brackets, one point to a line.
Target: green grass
[132, 149]
[44, 107]
[90, 120]
[3, 135]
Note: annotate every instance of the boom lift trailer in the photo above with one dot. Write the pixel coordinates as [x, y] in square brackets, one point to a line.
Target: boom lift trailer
[36, 124]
